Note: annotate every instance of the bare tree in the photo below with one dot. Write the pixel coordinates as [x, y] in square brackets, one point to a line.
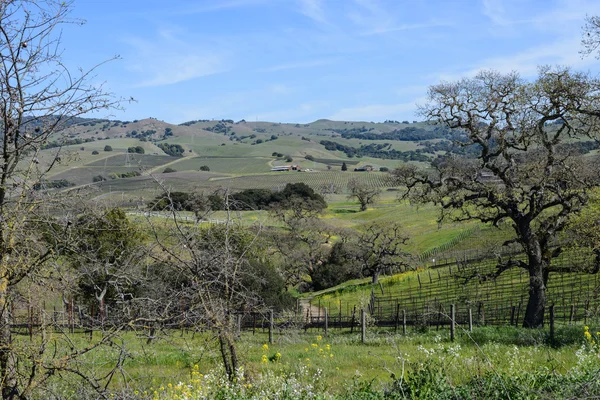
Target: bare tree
[39, 97]
[591, 36]
[365, 194]
[217, 273]
[379, 249]
[524, 174]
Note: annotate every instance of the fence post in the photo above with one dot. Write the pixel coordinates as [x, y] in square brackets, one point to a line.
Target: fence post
[397, 317]
[271, 326]
[452, 315]
[239, 325]
[470, 320]
[353, 319]
[340, 315]
[552, 322]
[326, 320]
[572, 314]
[512, 315]
[363, 325]
[404, 322]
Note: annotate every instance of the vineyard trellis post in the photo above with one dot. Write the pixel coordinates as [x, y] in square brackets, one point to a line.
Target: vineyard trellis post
[363, 325]
[452, 322]
[470, 319]
[271, 326]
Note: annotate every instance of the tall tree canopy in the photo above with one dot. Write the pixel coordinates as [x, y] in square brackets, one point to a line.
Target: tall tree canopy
[522, 174]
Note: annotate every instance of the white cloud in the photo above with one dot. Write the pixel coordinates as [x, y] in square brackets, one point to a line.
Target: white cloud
[299, 64]
[564, 53]
[405, 27]
[305, 112]
[217, 5]
[377, 112]
[313, 9]
[280, 89]
[170, 59]
[180, 68]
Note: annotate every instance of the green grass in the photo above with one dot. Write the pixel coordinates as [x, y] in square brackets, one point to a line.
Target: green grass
[341, 357]
[126, 159]
[423, 291]
[225, 165]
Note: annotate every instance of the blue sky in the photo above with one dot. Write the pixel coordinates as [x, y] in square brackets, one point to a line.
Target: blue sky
[301, 60]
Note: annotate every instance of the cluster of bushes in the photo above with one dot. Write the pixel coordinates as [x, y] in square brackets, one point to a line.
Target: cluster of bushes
[136, 150]
[287, 157]
[130, 174]
[374, 150]
[55, 184]
[174, 150]
[249, 199]
[406, 134]
[66, 142]
[140, 135]
[220, 127]
[188, 123]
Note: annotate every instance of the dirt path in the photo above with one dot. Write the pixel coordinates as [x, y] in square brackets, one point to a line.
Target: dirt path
[305, 305]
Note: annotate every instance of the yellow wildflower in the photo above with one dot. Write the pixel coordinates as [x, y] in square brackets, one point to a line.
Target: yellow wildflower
[265, 346]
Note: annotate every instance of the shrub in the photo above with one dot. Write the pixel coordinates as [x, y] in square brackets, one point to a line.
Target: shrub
[95, 152]
[98, 178]
[56, 184]
[108, 148]
[205, 168]
[168, 170]
[174, 150]
[136, 150]
[384, 169]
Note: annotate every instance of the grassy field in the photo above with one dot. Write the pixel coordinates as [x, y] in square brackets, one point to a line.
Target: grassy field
[231, 165]
[333, 364]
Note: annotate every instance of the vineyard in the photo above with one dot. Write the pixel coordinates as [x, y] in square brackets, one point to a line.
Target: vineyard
[132, 160]
[332, 181]
[426, 295]
[224, 164]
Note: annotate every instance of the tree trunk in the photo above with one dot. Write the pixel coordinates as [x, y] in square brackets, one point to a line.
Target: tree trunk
[538, 277]
[234, 359]
[7, 379]
[224, 355]
[363, 206]
[375, 277]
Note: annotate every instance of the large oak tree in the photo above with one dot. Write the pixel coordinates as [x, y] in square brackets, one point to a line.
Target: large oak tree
[526, 173]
